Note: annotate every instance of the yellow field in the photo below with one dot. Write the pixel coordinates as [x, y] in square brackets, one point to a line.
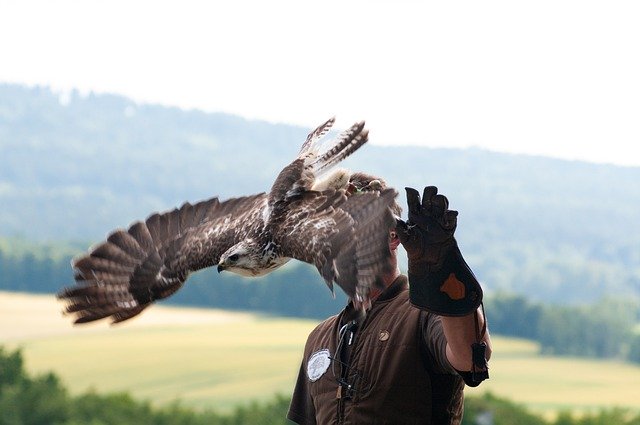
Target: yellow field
[547, 384]
[205, 358]
[218, 359]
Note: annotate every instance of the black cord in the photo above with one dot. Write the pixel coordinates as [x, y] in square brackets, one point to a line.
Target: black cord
[348, 328]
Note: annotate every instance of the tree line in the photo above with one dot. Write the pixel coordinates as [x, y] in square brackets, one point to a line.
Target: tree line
[73, 170]
[43, 400]
[605, 329]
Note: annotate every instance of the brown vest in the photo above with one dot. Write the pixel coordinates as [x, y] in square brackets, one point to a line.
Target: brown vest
[390, 377]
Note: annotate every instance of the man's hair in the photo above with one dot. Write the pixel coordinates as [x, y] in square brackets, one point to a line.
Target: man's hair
[364, 182]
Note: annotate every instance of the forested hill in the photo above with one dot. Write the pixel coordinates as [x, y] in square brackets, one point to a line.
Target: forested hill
[73, 167]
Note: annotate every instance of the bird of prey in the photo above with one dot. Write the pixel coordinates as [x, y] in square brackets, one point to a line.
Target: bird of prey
[304, 217]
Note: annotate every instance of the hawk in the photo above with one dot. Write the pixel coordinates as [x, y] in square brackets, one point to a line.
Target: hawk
[304, 216]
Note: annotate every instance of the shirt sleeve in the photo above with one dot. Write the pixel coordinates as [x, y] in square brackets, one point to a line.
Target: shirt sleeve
[301, 409]
[436, 343]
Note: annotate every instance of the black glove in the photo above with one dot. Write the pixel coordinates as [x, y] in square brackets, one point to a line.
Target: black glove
[440, 281]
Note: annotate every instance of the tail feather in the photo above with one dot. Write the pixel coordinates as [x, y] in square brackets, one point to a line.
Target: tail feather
[317, 134]
[346, 144]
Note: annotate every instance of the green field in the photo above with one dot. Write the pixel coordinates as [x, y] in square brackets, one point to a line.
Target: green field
[218, 359]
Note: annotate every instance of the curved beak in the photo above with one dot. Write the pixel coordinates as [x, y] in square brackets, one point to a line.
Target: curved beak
[221, 267]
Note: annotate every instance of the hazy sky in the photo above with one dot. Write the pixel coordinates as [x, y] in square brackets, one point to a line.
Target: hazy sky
[559, 78]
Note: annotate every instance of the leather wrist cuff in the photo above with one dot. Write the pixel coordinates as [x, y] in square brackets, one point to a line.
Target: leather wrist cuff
[451, 290]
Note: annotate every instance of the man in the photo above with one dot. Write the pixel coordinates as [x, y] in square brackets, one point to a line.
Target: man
[406, 361]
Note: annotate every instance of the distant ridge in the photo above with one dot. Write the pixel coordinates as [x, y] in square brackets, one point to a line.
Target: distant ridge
[73, 168]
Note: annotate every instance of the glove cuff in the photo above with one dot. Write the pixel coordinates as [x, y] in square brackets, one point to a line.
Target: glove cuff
[448, 290]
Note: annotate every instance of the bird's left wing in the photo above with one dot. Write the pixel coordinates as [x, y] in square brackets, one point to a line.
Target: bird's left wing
[151, 260]
[346, 238]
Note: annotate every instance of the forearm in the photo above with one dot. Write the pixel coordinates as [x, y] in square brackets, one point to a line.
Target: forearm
[442, 283]
[461, 333]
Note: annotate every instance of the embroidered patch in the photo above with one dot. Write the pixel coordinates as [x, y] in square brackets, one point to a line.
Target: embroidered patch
[453, 288]
[318, 364]
[384, 335]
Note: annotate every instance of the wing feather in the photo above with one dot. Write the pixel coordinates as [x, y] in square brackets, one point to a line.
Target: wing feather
[152, 259]
[346, 238]
[126, 243]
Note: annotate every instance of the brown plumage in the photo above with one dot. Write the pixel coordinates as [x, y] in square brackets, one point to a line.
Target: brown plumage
[345, 237]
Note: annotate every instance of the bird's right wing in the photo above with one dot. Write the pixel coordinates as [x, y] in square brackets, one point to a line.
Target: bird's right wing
[151, 260]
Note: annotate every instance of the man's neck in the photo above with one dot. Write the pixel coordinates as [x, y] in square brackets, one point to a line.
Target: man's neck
[387, 280]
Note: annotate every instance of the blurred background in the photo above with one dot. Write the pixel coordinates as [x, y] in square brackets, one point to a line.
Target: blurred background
[524, 115]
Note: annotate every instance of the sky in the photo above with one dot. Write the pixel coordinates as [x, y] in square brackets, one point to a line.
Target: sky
[555, 78]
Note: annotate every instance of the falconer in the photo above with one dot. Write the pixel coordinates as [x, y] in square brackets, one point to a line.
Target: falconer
[407, 360]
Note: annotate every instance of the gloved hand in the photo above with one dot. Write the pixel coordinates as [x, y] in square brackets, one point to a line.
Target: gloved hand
[439, 278]
[428, 235]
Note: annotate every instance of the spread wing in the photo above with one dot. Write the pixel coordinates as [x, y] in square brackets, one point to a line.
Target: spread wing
[151, 260]
[346, 238]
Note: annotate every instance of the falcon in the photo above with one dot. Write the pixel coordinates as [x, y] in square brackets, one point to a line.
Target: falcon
[308, 215]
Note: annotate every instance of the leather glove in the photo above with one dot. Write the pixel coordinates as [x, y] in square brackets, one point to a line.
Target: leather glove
[440, 280]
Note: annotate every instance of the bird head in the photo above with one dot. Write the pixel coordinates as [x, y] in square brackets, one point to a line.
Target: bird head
[242, 258]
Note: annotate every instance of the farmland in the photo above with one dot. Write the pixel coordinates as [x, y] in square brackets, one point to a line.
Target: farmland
[218, 359]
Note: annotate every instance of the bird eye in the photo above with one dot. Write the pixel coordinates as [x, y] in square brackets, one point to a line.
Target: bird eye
[234, 257]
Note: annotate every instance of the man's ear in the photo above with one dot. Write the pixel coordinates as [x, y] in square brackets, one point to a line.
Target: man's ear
[394, 241]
